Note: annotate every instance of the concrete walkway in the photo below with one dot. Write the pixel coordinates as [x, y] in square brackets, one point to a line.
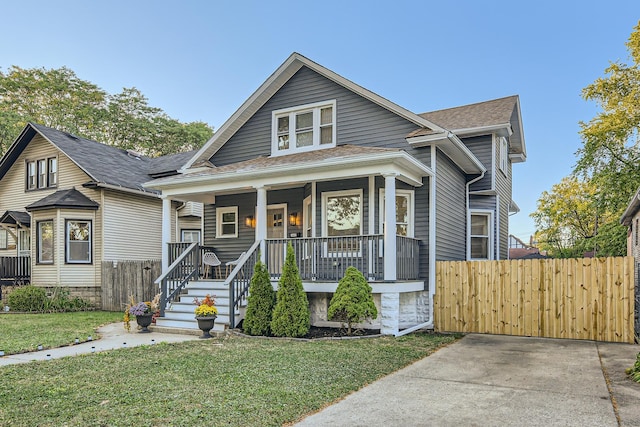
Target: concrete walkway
[489, 380]
[112, 336]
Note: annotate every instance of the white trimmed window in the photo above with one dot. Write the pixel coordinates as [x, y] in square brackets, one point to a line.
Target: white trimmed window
[504, 154]
[227, 222]
[4, 239]
[342, 213]
[189, 236]
[304, 128]
[42, 173]
[45, 242]
[480, 239]
[31, 175]
[78, 242]
[404, 212]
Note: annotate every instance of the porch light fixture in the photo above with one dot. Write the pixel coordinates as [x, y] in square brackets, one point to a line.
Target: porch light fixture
[293, 219]
[250, 221]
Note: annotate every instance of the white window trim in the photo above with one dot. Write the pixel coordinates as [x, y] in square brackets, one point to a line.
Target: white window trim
[490, 214]
[4, 243]
[325, 230]
[219, 213]
[39, 237]
[66, 241]
[190, 230]
[291, 112]
[411, 210]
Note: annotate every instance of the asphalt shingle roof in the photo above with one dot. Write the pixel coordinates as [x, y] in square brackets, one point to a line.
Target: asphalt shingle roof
[14, 217]
[481, 114]
[69, 199]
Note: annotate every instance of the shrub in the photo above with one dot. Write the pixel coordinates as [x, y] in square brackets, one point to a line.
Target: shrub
[634, 371]
[353, 301]
[27, 298]
[262, 299]
[61, 301]
[291, 316]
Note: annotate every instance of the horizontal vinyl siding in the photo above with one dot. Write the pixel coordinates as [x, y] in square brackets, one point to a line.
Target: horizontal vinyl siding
[13, 194]
[132, 227]
[481, 147]
[359, 121]
[451, 212]
[228, 249]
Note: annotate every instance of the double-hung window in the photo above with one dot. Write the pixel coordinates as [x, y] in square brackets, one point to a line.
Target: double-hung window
[45, 242]
[227, 222]
[481, 240]
[3, 239]
[42, 173]
[78, 242]
[304, 128]
[504, 154]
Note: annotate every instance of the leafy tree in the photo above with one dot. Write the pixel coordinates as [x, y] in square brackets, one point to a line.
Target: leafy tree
[58, 98]
[262, 299]
[608, 164]
[291, 317]
[353, 301]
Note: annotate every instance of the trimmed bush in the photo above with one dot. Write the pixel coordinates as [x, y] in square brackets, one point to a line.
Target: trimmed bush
[262, 299]
[291, 317]
[353, 301]
[27, 298]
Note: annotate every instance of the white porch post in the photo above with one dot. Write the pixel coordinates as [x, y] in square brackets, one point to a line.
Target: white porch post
[166, 232]
[390, 227]
[261, 220]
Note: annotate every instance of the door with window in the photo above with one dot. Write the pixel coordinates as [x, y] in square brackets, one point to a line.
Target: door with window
[276, 229]
[24, 242]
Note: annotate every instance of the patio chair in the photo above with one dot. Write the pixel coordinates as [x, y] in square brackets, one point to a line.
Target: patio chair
[230, 265]
[210, 260]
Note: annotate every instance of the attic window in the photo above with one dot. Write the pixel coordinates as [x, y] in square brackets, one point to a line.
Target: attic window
[42, 173]
[304, 128]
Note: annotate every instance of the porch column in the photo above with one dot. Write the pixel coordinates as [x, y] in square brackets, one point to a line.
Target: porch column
[166, 232]
[261, 220]
[390, 227]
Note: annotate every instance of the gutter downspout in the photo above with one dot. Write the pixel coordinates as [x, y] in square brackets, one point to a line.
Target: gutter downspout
[432, 248]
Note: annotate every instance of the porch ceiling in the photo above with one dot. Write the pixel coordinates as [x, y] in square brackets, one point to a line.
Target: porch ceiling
[342, 162]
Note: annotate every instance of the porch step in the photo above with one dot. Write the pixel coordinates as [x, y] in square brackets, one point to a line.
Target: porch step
[180, 314]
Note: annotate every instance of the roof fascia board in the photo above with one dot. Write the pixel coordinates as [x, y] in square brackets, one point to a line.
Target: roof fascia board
[483, 130]
[517, 158]
[14, 150]
[453, 147]
[521, 133]
[95, 184]
[274, 83]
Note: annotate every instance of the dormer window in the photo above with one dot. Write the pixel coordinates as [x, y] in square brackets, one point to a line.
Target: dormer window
[304, 128]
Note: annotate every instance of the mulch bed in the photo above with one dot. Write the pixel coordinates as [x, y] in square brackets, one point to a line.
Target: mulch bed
[316, 332]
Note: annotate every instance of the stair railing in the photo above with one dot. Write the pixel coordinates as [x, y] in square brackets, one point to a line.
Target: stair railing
[239, 281]
[180, 272]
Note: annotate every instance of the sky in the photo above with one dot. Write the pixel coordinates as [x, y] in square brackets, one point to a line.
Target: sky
[199, 60]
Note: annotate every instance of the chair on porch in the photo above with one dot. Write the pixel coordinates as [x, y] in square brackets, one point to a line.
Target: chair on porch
[230, 265]
[210, 260]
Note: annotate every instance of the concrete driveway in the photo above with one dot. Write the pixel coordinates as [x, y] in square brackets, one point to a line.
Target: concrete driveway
[490, 380]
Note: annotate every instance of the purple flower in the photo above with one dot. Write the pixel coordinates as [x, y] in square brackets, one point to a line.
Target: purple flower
[139, 309]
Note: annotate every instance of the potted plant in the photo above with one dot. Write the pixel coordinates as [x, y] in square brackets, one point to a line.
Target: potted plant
[144, 312]
[206, 313]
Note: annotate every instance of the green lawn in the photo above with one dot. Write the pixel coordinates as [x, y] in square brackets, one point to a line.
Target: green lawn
[227, 381]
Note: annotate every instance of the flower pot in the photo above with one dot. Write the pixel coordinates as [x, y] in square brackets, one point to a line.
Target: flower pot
[144, 320]
[206, 324]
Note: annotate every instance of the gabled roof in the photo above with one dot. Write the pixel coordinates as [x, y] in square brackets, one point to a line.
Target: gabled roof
[16, 218]
[274, 83]
[105, 165]
[497, 115]
[65, 199]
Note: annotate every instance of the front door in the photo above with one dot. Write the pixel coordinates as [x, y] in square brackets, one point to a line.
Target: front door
[276, 229]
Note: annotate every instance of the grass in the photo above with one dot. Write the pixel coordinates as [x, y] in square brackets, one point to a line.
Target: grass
[227, 381]
[23, 332]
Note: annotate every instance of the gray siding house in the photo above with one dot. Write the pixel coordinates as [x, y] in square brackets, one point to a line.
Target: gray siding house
[311, 159]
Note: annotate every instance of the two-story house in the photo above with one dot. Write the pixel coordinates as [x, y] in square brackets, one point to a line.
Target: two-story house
[68, 204]
[313, 159]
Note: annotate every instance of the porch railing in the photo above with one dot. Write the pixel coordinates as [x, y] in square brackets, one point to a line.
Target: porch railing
[327, 258]
[239, 280]
[15, 269]
[177, 248]
[183, 269]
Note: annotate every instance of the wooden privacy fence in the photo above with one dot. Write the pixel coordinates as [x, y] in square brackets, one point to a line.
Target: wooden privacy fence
[121, 279]
[590, 298]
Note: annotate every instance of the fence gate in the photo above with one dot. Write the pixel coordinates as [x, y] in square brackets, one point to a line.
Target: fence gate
[590, 298]
[122, 279]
